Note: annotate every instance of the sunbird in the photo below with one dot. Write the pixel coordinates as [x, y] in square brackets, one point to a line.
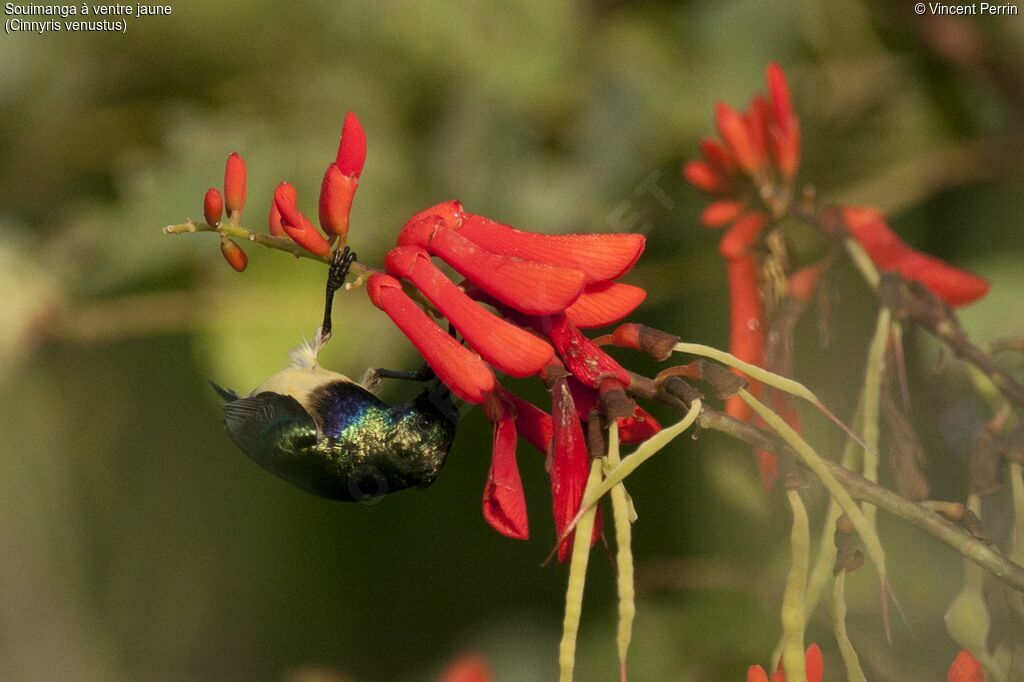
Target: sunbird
[331, 436]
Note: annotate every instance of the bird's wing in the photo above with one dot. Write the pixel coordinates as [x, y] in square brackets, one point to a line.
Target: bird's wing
[269, 420]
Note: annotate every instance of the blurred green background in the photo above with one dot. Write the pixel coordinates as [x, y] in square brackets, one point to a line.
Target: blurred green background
[137, 543]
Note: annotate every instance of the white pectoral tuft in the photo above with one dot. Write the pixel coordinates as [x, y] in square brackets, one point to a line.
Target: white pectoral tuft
[304, 375]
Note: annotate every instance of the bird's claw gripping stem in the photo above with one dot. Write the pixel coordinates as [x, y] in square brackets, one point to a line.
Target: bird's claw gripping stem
[341, 262]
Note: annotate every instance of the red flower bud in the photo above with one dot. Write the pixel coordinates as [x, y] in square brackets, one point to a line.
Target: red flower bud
[720, 160]
[336, 193]
[461, 370]
[213, 206]
[274, 221]
[468, 668]
[532, 288]
[233, 254]
[604, 303]
[758, 121]
[702, 176]
[296, 225]
[723, 212]
[234, 183]
[509, 348]
[351, 147]
[733, 129]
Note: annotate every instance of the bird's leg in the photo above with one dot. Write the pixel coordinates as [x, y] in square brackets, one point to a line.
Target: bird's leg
[341, 261]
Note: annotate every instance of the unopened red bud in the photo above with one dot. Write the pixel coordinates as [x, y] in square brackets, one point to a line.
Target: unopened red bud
[234, 183]
[740, 239]
[233, 254]
[213, 206]
[296, 225]
[336, 193]
[702, 176]
[758, 119]
[719, 213]
[351, 147]
[733, 129]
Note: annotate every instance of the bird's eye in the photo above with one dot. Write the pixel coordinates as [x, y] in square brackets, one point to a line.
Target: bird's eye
[422, 423]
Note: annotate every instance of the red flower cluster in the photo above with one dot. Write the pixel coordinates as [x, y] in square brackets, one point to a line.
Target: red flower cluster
[750, 174]
[214, 203]
[336, 192]
[815, 669]
[541, 291]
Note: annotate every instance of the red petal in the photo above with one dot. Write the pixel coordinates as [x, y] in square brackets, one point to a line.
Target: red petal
[336, 193]
[504, 501]
[583, 357]
[459, 368]
[509, 348]
[965, 668]
[532, 288]
[234, 183]
[741, 237]
[804, 282]
[600, 256]
[296, 225]
[274, 220]
[351, 147]
[723, 212]
[570, 464]
[702, 176]
[450, 213]
[733, 129]
[603, 303]
[213, 206]
[532, 423]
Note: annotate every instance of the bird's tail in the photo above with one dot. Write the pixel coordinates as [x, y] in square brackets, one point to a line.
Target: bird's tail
[225, 393]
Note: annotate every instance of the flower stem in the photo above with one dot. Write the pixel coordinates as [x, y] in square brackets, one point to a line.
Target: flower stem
[623, 555]
[854, 673]
[872, 397]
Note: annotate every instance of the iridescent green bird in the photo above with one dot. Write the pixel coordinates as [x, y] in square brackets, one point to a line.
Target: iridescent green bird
[330, 436]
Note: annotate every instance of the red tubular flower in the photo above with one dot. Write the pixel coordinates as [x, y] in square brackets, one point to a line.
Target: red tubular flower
[954, 286]
[570, 465]
[233, 254]
[604, 303]
[504, 503]
[722, 212]
[526, 286]
[585, 359]
[508, 348]
[600, 256]
[234, 183]
[213, 206]
[965, 668]
[638, 428]
[351, 147]
[336, 193]
[720, 160]
[459, 368]
[296, 225]
[815, 669]
[758, 121]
